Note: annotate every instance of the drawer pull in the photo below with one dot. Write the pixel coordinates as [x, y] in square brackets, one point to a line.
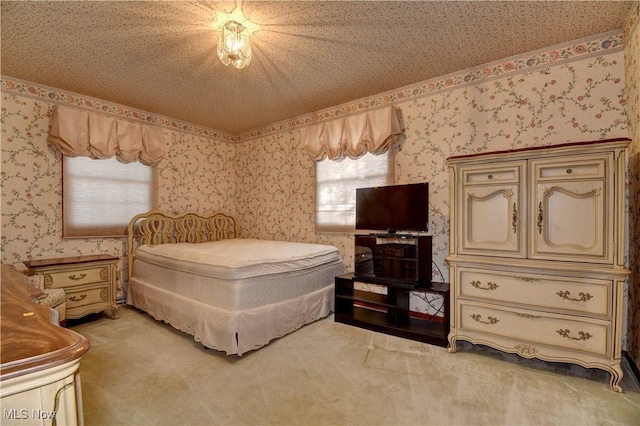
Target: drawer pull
[490, 320]
[527, 279]
[514, 218]
[569, 171]
[75, 277]
[490, 285]
[567, 296]
[490, 177]
[78, 299]
[540, 218]
[582, 335]
[529, 316]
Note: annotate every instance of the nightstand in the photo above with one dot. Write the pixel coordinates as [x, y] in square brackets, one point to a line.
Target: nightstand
[88, 281]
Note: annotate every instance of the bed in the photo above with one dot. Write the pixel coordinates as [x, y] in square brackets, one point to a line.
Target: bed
[232, 294]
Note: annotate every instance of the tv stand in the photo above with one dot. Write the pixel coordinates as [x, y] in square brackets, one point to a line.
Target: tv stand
[395, 257]
[389, 313]
[402, 264]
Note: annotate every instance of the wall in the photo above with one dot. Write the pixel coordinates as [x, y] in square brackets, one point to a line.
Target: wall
[198, 174]
[632, 79]
[567, 93]
[580, 99]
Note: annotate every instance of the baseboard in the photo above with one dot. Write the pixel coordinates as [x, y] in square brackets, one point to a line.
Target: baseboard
[634, 368]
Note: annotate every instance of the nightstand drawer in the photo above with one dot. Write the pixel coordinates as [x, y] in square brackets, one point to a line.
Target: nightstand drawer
[570, 295]
[559, 331]
[78, 276]
[87, 296]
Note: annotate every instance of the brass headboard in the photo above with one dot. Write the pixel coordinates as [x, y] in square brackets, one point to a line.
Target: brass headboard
[158, 227]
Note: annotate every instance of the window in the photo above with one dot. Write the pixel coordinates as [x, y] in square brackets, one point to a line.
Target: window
[336, 183]
[99, 197]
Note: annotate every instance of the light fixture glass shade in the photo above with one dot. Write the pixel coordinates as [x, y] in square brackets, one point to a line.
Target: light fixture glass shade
[234, 46]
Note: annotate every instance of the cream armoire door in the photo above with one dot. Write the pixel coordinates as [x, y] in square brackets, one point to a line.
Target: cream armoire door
[574, 208]
[492, 209]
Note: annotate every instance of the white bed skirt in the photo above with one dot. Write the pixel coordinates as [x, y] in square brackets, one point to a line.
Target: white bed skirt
[234, 332]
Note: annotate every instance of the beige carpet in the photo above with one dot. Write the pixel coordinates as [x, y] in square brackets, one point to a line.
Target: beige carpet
[142, 372]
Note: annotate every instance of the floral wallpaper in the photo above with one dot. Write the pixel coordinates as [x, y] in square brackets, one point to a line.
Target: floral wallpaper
[632, 78]
[569, 93]
[197, 174]
[568, 52]
[576, 101]
[32, 188]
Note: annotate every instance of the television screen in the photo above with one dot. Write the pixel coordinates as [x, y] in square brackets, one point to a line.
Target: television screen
[393, 208]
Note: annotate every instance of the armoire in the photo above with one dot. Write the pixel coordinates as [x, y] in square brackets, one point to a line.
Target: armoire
[537, 252]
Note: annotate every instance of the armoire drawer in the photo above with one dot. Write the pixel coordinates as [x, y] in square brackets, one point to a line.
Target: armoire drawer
[560, 331]
[567, 294]
[73, 277]
[496, 174]
[589, 168]
[87, 296]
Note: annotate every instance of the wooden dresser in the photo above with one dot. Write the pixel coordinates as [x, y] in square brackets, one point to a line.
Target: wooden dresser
[88, 281]
[537, 249]
[39, 371]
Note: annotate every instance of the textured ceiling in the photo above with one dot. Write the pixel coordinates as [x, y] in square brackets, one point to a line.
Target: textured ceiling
[159, 56]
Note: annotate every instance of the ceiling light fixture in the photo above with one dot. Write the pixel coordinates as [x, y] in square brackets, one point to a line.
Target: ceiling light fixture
[234, 44]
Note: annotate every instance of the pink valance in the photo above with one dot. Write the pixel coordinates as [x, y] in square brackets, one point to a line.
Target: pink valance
[79, 133]
[355, 135]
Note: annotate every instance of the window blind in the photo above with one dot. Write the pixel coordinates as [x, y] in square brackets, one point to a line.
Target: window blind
[336, 183]
[99, 197]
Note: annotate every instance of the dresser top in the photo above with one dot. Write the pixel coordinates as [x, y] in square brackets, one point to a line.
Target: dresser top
[39, 263]
[30, 342]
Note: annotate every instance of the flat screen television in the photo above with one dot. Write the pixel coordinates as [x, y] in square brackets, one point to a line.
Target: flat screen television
[394, 208]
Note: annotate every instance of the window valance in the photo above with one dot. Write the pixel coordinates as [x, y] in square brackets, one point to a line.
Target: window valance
[79, 133]
[353, 136]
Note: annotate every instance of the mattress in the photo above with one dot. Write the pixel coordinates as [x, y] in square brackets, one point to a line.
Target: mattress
[238, 274]
[238, 258]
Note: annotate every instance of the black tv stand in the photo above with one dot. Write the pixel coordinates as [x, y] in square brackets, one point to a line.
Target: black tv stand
[395, 257]
[390, 313]
[389, 281]
[402, 264]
